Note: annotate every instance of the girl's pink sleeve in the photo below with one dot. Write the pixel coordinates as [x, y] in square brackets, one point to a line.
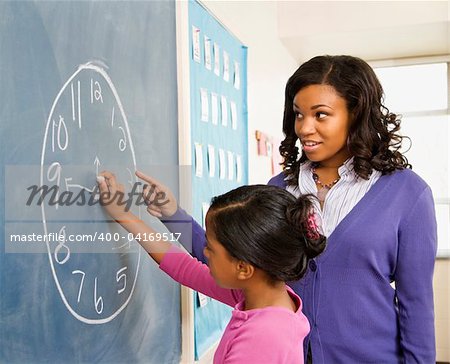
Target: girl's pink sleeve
[188, 271]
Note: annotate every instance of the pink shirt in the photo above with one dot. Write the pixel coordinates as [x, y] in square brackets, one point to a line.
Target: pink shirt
[268, 335]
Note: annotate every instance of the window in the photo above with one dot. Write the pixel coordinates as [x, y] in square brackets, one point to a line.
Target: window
[415, 88]
[420, 93]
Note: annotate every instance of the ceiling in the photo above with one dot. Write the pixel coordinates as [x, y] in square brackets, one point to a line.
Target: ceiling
[372, 30]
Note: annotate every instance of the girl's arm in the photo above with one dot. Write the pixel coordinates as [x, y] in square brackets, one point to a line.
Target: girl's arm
[178, 221]
[191, 273]
[179, 265]
[110, 191]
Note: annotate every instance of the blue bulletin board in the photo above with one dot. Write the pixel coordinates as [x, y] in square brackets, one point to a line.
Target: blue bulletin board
[218, 89]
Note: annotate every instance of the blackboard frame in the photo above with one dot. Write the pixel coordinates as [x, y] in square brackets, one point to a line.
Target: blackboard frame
[187, 101]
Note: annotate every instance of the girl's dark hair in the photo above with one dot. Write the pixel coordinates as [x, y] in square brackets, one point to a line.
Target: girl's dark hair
[373, 139]
[267, 227]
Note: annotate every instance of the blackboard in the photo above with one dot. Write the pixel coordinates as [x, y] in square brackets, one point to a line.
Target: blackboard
[84, 86]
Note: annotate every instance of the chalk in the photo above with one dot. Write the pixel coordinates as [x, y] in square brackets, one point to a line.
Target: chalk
[100, 179]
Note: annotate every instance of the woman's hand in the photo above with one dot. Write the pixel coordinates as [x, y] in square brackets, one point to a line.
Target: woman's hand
[112, 195]
[160, 200]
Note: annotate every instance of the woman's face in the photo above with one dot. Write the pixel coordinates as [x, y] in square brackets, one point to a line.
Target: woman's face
[322, 123]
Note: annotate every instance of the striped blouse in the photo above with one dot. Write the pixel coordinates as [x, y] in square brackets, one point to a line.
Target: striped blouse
[341, 198]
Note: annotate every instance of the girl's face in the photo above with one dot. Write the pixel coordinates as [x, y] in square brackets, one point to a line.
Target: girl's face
[221, 264]
[322, 123]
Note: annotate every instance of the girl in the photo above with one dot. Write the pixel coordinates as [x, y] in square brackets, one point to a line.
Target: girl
[257, 238]
[369, 297]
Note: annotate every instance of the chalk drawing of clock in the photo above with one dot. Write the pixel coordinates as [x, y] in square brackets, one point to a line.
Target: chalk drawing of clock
[93, 262]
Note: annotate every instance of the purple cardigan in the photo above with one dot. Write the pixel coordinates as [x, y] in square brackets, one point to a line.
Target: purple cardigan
[355, 314]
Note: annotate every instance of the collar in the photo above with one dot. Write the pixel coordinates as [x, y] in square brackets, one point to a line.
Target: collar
[346, 169]
[239, 316]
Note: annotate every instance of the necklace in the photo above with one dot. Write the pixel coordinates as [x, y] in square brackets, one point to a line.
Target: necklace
[324, 188]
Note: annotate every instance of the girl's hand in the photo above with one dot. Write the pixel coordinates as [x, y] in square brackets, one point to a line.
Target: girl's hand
[160, 200]
[113, 200]
[112, 195]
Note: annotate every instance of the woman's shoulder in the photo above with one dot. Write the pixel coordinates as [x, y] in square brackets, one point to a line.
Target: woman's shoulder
[278, 180]
[406, 179]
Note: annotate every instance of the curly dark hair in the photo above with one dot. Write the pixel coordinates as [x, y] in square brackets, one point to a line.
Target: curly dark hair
[373, 140]
[267, 227]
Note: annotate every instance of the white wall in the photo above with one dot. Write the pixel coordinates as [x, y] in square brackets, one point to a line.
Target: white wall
[269, 66]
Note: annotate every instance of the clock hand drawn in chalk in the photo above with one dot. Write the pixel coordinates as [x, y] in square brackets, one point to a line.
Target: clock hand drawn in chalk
[87, 131]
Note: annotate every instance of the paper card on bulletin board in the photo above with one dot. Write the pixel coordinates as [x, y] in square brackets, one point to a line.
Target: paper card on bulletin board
[222, 71]
[214, 108]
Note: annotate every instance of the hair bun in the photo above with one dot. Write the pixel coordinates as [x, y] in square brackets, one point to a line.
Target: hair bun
[302, 218]
[312, 228]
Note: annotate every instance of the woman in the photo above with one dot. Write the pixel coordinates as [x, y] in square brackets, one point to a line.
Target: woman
[369, 296]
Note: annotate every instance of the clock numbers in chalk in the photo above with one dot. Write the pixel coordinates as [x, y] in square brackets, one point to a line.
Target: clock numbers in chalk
[112, 117]
[120, 277]
[62, 247]
[123, 139]
[81, 282]
[98, 301]
[76, 102]
[96, 91]
[86, 109]
[60, 133]
[54, 175]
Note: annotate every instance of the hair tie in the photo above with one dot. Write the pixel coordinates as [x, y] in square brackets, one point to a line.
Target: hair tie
[312, 229]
